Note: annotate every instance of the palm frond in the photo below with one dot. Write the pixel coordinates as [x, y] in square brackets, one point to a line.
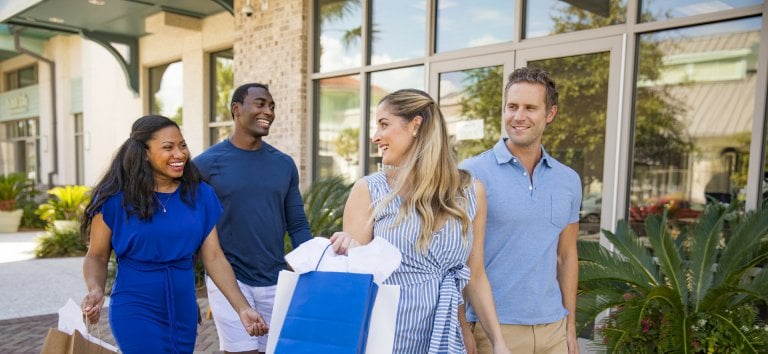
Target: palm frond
[703, 253]
[324, 205]
[668, 254]
[597, 263]
[628, 244]
[738, 336]
[742, 247]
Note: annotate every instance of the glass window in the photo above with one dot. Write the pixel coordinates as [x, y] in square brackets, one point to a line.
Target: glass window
[338, 37]
[79, 150]
[654, 10]
[471, 103]
[382, 84]
[398, 30]
[222, 86]
[473, 23]
[694, 107]
[166, 84]
[20, 78]
[19, 148]
[577, 135]
[545, 17]
[338, 132]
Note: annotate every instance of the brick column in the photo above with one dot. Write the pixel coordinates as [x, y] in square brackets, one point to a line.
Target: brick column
[271, 47]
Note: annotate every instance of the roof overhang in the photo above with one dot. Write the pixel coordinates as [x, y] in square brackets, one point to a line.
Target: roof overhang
[115, 24]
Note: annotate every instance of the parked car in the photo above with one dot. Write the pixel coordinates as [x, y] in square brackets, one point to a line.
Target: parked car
[678, 209]
[590, 208]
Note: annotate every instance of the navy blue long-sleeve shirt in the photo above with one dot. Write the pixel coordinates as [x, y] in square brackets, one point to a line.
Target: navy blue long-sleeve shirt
[259, 191]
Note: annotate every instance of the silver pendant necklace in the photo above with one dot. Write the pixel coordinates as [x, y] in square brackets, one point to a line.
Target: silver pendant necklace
[161, 202]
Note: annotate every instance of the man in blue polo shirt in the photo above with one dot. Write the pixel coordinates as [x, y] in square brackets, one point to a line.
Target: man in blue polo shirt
[532, 225]
[259, 190]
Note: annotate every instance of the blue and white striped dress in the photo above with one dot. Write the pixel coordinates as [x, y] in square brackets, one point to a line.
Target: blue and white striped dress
[430, 283]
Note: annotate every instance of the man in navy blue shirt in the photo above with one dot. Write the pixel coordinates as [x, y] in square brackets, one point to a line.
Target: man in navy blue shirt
[258, 186]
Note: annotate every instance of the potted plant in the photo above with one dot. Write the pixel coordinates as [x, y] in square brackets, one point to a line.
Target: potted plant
[14, 187]
[65, 208]
[695, 290]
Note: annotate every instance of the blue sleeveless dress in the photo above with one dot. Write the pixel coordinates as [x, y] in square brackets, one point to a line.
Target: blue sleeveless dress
[153, 308]
[430, 283]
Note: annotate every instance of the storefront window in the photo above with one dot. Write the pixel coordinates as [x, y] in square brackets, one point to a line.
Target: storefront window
[398, 30]
[23, 77]
[577, 135]
[655, 10]
[471, 103]
[19, 147]
[337, 41]
[338, 131]
[222, 86]
[693, 120]
[546, 17]
[473, 23]
[166, 86]
[382, 84]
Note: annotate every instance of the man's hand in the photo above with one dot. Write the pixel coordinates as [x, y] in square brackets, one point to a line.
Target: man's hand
[253, 322]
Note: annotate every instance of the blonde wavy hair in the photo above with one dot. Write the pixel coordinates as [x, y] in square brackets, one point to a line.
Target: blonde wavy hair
[429, 181]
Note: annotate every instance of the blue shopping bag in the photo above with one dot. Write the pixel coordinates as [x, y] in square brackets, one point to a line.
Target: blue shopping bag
[329, 312]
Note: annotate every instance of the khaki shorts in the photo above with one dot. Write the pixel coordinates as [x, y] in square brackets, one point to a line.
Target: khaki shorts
[540, 339]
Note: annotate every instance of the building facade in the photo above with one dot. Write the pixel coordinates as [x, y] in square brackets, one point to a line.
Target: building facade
[663, 103]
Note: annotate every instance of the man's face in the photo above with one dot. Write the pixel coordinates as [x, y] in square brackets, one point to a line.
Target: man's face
[257, 112]
[526, 115]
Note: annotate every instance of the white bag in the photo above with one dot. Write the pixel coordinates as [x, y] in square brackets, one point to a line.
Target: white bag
[381, 333]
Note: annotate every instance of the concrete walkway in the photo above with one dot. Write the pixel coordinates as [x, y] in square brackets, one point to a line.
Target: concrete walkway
[32, 291]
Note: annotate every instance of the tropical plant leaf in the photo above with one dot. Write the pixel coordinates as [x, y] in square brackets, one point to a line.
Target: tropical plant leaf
[324, 205]
[596, 262]
[742, 248]
[628, 244]
[668, 254]
[703, 253]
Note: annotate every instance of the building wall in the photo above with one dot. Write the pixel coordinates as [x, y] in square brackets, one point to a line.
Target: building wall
[271, 47]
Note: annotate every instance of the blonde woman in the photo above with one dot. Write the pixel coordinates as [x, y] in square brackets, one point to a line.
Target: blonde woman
[435, 214]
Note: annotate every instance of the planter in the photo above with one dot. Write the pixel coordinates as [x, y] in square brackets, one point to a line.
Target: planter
[10, 220]
[63, 226]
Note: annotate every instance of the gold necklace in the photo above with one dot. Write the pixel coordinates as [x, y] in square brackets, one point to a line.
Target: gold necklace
[161, 202]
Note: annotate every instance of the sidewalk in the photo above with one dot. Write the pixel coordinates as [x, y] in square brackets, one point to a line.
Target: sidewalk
[34, 289]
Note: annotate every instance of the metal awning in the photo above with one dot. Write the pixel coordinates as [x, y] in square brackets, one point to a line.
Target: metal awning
[115, 24]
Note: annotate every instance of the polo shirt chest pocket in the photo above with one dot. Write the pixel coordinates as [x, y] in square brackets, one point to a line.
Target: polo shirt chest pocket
[560, 210]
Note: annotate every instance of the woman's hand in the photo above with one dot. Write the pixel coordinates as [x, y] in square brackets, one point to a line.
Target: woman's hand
[92, 304]
[342, 242]
[253, 322]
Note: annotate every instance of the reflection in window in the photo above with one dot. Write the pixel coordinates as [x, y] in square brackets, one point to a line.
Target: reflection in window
[166, 83]
[382, 84]
[340, 28]
[655, 10]
[545, 17]
[338, 133]
[222, 85]
[19, 148]
[577, 135]
[397, 31]
[471, 103]
[473, 23]
[694, 107]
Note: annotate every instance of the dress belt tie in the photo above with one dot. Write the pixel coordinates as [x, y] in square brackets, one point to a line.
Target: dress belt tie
[167, 267]
[454, 280]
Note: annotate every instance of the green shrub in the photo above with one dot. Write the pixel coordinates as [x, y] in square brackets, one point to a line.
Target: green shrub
[692, 292]
[67, 203]
[30, 219]
[66, 243]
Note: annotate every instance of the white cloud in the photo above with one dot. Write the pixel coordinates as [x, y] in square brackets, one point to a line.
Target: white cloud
[335, 57]
[483, 40]
[489, 16]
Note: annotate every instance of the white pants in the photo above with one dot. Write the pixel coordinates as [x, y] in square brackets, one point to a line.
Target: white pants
[232, 334]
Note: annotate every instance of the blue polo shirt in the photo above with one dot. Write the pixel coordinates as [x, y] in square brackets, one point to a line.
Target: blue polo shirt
[522, 232]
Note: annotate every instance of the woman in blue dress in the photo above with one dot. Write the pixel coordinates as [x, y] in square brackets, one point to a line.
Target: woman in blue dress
[155, 212]
[435, 214]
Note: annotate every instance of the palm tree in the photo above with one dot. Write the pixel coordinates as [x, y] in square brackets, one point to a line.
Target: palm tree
[695, 290]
